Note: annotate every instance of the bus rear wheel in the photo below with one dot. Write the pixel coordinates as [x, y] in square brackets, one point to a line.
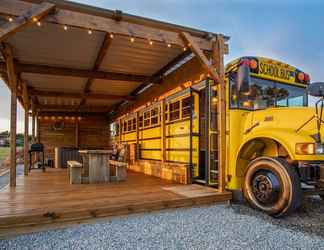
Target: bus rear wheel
[272, 186]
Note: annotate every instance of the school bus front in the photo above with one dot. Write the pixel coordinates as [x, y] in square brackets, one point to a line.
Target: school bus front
[274, 139]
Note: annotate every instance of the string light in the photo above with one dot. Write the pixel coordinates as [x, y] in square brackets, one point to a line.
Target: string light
[169, 45]
[111, 35]
[39, 23]
[151, 42]
[132, 39]
[35, 19]
[10, 19]
[89, 32]
[184, 48]
[65, 27]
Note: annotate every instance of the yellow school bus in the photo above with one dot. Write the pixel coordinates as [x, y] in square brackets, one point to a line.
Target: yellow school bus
[274, 140]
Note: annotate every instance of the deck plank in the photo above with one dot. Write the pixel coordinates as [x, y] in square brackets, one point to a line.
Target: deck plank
[43, 198]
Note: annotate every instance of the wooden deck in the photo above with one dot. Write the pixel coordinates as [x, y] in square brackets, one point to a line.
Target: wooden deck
[43, 198]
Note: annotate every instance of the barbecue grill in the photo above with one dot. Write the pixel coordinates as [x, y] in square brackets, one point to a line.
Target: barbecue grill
[38, 149]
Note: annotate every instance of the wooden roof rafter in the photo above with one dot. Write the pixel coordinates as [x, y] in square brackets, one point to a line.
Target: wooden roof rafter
[100, 57]
[94, 96]
[82, 73]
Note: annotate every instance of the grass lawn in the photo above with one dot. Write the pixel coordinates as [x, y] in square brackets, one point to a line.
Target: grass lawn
[4, 152]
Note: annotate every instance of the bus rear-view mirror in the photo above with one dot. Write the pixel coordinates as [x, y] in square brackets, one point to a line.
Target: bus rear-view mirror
[243, 79]
[316, 89]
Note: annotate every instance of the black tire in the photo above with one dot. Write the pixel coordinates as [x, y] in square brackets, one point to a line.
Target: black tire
[272, 186]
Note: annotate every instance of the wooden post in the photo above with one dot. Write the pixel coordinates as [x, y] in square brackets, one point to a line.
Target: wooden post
[13, 136]
[26, 142]
[77, 133]
[13, 82]
[218, 63]
[37, 129]
[163, 145]
[33, 127]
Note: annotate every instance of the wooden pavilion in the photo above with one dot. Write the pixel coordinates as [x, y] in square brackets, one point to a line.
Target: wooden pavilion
[82, 64]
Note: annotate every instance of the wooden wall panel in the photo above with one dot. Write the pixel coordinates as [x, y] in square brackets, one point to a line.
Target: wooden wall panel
[93, 133]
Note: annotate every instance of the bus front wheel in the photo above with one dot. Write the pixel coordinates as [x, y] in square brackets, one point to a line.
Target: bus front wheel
[272, 186]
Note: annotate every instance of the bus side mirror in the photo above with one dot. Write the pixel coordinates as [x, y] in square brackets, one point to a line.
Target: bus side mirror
[243, 78]
[316, 89]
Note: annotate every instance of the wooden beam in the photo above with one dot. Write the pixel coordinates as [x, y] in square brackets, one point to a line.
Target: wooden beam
[95, 96]
[218, 64]
[33, 13]
[105, 24]
[195, 48]
[69, 108]
[100, 57]
[61, 71]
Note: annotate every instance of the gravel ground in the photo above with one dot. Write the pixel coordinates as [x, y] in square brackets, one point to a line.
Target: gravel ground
[210, 227]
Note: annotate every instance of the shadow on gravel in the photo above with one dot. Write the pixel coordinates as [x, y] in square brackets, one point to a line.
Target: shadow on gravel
[308, 219]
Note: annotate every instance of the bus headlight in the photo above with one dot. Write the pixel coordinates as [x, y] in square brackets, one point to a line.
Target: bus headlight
[319, 149]
[305, 148]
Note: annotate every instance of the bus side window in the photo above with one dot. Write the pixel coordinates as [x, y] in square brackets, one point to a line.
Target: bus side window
[154, 116]
[166, 112]
[125, 126]
[129, 125]
[174, 111]
[186, 107]
[147, 119]
[140, 121]
[134, 124]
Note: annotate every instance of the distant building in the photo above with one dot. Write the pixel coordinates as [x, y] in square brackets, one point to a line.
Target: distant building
[4, 139]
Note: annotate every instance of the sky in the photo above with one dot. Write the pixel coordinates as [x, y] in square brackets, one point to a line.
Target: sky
[291, 31]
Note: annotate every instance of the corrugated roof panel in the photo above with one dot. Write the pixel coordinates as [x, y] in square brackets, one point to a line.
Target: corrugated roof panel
[138, 57]
[55, 83]
[50, 44]
[113, 87]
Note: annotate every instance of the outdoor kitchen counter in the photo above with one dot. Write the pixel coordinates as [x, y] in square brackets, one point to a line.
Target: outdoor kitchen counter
[95, 166]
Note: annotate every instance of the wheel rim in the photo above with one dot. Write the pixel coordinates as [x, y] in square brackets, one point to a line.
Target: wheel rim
[266, 187]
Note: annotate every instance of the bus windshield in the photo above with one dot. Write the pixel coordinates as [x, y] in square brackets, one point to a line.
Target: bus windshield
[266, 93]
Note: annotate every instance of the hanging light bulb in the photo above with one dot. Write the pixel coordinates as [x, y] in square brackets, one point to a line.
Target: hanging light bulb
[35, 19]
[132, 39]
[184, 48]
[10, 19]
[111, 35]
[39, 23]
[169, 45]
[151, 42]
[89, 32]
[65, 27]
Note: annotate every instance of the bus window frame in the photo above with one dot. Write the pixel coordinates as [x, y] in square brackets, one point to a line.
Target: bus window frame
[237, 107]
